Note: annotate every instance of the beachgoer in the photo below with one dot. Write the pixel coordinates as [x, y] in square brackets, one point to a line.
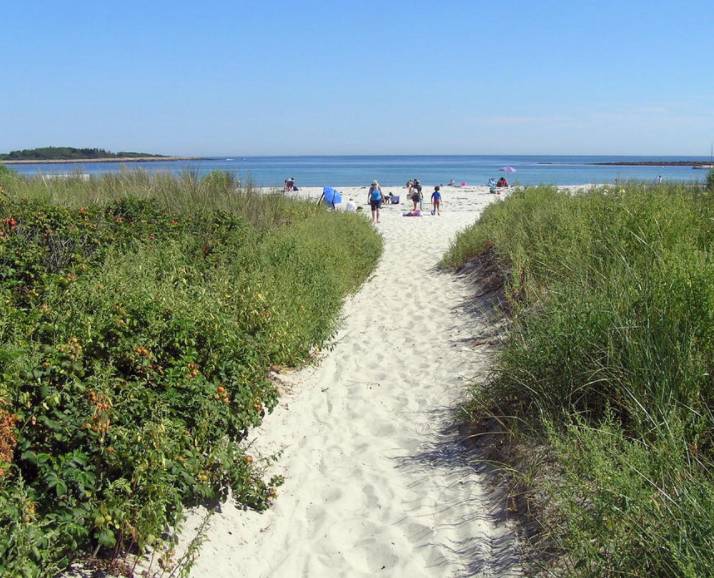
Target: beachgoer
[502, 182]
[416, 198]
[351, 206]
[492, 186]
[290, 185]
[417, 186]
[375, 198]
[451, 183]
[659, 179]
[436, 199]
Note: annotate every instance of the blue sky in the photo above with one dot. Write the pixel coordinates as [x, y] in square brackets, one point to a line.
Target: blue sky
[369, 77]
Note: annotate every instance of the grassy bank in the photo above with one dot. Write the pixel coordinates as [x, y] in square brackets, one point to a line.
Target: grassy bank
[608, 364]
[139, 318]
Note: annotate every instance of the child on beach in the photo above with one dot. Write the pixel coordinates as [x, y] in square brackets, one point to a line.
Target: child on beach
[436, 200]
[375, 198]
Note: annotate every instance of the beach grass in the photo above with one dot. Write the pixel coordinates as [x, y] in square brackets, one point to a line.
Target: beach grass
[140, 316]
[607, 365]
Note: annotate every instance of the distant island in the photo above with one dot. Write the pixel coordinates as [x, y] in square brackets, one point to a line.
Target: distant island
[76, 155]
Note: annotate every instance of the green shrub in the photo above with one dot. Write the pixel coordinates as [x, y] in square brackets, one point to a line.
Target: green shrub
[135, 343]
[610, 354]
[710, 181]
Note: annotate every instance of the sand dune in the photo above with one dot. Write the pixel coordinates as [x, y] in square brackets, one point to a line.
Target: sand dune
[377, 483]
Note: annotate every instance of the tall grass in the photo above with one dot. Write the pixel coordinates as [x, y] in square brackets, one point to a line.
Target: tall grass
[609, 362]
[139, 318]
[185, 193]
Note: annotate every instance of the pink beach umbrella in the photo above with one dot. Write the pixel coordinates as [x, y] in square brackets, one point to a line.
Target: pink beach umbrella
[507, 170]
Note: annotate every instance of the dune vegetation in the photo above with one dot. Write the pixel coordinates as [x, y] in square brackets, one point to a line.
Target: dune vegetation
[603, 387]
[140, 316]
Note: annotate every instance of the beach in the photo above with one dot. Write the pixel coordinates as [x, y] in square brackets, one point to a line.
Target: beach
[377, 479]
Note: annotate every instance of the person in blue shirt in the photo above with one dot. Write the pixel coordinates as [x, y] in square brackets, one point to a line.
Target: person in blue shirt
[375, 198]
[436, 200]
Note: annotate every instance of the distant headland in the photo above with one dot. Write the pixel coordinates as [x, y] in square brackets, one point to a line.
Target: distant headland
[80, 155]
[693, 164]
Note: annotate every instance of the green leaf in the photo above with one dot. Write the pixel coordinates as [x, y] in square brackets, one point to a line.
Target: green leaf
[106, 538]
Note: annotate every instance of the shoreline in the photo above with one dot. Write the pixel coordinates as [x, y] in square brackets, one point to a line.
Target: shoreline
[99, 160]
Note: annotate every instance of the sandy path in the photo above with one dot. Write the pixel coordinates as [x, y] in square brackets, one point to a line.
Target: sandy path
[374, 486]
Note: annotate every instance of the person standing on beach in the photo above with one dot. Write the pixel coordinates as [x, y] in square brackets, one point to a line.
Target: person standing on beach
[375, 198]
[436, 200]
[417, 188]
[415, 194]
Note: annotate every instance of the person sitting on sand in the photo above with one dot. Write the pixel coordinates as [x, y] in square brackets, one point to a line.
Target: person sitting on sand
[436, 200]
[375, 198]
[290, 185]
[502, 182]
[351, 206]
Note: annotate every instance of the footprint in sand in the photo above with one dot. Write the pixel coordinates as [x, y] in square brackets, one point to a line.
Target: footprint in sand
[373, 485]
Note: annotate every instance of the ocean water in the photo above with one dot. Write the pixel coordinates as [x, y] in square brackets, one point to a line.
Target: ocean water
[396, 170]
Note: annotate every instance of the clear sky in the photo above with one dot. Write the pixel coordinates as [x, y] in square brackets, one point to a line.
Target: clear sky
[363, 77]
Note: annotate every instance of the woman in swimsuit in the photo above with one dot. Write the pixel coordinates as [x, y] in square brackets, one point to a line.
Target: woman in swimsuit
[375, 198]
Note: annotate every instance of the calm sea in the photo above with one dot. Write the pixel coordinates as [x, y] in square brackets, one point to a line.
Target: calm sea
[395, 170]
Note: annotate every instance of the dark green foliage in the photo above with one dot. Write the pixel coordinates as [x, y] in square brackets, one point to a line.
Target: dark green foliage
[710, 181]
[135, 344]
[66, 153]
[609, 358]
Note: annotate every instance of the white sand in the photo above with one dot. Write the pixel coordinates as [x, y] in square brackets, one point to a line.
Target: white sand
[377, 483]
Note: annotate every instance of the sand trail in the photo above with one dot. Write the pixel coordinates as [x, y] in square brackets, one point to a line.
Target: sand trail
[377, 483]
